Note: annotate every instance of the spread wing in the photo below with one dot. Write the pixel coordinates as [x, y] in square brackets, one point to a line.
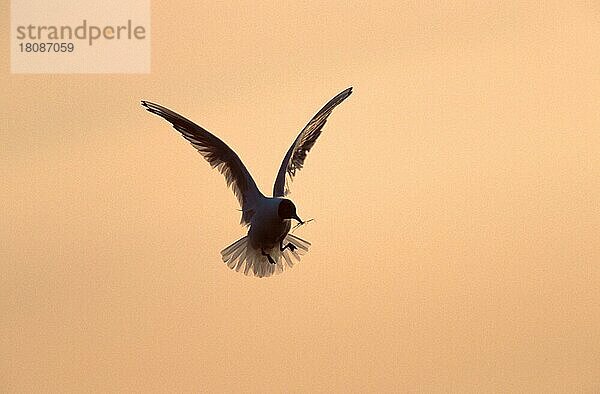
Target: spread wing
[218, 155]
[295, 156]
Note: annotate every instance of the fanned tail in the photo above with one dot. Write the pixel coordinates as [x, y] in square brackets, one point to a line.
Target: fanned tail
[240, 256]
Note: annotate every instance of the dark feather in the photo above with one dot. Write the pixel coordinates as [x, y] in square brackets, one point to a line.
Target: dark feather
[295, 156]
[218, 155]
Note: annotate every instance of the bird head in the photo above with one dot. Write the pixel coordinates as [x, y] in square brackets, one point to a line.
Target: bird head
[287, 210]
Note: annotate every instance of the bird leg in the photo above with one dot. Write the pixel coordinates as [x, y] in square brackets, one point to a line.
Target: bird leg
[262, 251]
[289, 246]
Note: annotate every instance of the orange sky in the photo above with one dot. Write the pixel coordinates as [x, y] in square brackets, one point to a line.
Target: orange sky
[456, 196]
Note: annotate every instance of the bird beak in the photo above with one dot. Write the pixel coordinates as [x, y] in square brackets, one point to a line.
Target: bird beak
[298, 219]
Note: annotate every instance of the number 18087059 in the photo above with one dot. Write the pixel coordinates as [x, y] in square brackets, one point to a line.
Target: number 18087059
[55, 47]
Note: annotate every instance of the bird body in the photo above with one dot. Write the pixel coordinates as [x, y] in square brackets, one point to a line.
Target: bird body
[266, 227]
[268, 243]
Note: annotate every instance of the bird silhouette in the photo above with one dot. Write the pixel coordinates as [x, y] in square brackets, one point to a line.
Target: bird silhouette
[268, 242]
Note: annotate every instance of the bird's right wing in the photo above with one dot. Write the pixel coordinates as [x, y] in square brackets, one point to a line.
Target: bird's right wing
[219, 156]
[295, 156]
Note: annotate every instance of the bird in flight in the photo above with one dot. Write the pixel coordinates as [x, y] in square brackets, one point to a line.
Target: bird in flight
[269, 241]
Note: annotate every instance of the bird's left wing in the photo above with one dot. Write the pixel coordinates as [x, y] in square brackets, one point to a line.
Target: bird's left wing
[294, 158]
[219, 156]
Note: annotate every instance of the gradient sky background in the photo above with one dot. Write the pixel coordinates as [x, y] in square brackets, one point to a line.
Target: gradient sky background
[456, 196]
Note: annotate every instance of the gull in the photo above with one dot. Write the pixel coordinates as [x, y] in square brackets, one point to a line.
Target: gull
[268, 242]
